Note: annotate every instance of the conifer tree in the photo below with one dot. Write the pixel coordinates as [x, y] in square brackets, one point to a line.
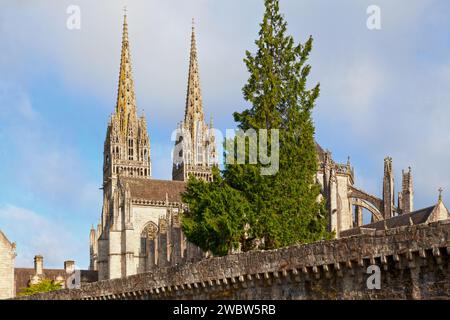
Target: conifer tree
[217, 215]
[283, 208]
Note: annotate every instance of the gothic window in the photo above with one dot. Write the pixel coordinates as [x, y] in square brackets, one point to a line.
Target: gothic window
[143, 245]
[148, 234]
[199, 154]
[130, 149]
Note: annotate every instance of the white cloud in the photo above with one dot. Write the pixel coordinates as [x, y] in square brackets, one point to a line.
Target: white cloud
[36, 234]
[383, 92]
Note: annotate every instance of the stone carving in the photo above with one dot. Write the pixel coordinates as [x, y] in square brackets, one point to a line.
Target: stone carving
[150, 231]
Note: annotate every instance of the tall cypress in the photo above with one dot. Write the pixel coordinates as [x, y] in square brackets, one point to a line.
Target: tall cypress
[283, 208]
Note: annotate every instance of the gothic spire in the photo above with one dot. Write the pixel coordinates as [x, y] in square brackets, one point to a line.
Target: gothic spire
[194, 107]
[126, 101]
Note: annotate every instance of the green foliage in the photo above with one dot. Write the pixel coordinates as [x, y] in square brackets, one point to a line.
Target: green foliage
[217, 215]
[280, 209]
[46, 285]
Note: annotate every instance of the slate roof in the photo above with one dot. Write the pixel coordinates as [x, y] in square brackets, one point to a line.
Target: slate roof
[156, 190]
[22, 276]
[417, 217]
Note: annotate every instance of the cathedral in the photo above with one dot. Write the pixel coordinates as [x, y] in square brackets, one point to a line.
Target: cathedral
[140, 227]
[140, 221]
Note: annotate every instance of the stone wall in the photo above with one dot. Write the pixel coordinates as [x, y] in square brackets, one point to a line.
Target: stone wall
[7, 257]
[414, 264]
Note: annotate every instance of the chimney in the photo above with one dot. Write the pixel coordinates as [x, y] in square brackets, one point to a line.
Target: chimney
[69, 266]
[39, 265]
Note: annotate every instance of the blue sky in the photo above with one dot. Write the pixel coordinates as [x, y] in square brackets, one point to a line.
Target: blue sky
[384, 92]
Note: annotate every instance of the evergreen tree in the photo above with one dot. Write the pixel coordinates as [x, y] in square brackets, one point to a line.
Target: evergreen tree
[217, 215]
[283, 208]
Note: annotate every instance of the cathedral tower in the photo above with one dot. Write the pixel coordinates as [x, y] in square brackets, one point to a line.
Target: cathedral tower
[195, 145]
[127, 145]
[126, 154]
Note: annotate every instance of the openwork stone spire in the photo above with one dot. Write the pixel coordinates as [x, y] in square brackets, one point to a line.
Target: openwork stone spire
[127, 145]
[195, 147]
[194, 104]
[126, 101]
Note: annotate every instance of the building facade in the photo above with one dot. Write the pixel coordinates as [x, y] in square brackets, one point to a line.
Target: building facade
[346, 202]
[140, 222]
[7, 259]
[140, 228]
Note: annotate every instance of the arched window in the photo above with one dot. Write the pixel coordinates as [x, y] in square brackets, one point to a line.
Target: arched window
[148, 234]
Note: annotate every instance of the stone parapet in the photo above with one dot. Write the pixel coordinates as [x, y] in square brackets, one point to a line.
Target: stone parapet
[413, 262]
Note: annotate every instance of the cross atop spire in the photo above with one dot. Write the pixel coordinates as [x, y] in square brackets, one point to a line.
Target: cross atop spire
[440, 193]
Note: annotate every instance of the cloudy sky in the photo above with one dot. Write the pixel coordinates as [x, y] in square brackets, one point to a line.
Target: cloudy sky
[384, 92]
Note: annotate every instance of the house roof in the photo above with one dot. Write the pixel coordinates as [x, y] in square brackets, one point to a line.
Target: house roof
[22, 276]
[156, 190]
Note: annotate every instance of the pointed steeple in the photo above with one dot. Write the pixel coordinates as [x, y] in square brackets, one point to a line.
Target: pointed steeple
[126, 101]
[195, 142]
[127, 144]
[194, 105]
